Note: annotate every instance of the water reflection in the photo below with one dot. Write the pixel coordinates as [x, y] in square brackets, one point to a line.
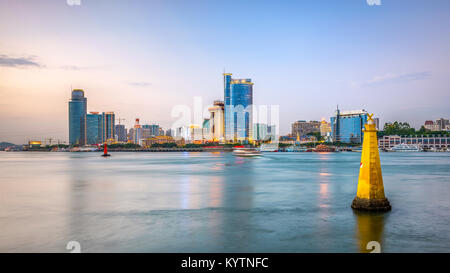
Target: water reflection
[369, 227]
[238, 194]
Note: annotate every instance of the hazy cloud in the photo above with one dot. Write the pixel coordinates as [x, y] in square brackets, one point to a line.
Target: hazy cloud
[9, 61]
[77, 68]
[140, 84]
[71, 67]
[393, 79]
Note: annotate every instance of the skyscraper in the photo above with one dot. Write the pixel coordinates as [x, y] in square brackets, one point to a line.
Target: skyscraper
[137, 132]
[216, 123]
[77, 118]
[108, 126]
[347, 126]
[238, 94]
[259, 131]
[121, 133]
[153, 129]
[94, 128]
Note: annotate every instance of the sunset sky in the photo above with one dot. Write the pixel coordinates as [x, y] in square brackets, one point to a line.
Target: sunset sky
[141, 58]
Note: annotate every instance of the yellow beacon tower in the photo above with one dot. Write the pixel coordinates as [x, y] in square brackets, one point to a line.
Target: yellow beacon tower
[370, 193]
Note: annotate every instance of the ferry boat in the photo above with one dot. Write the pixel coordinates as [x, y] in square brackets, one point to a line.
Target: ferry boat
[324, 149]
[246, 152]
[406, 148]
[268, 147]
[295, 148]
[83, 149]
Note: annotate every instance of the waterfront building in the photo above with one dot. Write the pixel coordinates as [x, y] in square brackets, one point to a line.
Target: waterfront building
[35, 144]
[94, 128]
[347, 126]
[272, 133]
[377, 123]
[77, 118]
[216, 122]
[108, 126]
[431, 126]
[437, 142]
[148, 142]
[260, 132]
[302, 127]
[169, 132]
[153, 129]
[136, 132]
[121, 133]
[325, 128]
[443, 124]
[146, 132]
[238, 103]
[440, 125]
[207, 136]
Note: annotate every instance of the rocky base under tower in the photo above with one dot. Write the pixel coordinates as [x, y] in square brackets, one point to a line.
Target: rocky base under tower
[376, 205]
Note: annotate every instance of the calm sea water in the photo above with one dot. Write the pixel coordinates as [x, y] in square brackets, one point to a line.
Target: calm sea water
[206, 202]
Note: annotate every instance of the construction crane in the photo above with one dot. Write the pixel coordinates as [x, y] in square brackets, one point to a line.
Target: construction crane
[120, 119]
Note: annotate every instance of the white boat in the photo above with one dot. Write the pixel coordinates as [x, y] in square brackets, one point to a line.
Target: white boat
[296, 148]
[247, 152]
[268, 147]
[406, 148]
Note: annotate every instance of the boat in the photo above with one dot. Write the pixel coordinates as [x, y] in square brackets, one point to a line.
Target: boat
[324, 149]
[246, 152]
[406, 148]
[296, 148]
[269, 147]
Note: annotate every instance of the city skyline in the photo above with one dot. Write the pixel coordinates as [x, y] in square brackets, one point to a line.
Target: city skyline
[390, 59]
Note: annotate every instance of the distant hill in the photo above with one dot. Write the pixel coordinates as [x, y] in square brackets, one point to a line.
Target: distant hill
[4, 145]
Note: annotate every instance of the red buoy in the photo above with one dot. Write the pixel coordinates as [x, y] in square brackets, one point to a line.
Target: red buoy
[105, 150]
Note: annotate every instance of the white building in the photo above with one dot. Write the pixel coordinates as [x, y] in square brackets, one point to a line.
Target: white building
[216, 122]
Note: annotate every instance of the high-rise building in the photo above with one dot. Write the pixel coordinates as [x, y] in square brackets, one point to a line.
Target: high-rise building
[303, 127]
[347, 126]
[216, 121]
[272, 132]
[108, 126]
[238, 94]
[94, 128]
[136, 132]
[442, 124]
[169, 132]
[325, 128]
[121, 132]
[152, 130]
[260, 131]
[77, 118]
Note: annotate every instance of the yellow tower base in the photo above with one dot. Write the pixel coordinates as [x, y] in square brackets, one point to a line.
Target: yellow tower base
[370, 193]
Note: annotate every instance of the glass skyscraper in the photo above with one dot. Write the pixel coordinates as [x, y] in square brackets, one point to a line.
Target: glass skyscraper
[347, 126]
[238, 95]
[153, 129]
[77, 118]
[94, 128]
[108, 126]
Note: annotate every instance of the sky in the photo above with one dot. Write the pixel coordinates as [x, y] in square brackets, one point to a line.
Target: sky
[142, 58]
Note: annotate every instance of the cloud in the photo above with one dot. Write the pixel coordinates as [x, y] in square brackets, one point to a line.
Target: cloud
[77, 68]
[9, 61]
[393, 79]
[72, 67]
[140, 84]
